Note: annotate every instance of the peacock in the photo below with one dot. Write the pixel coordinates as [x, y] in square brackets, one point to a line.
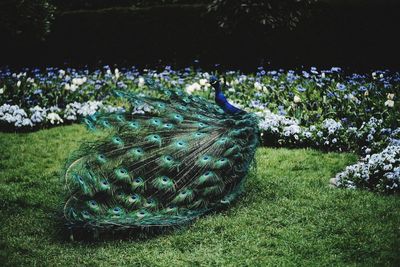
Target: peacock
[164, 162]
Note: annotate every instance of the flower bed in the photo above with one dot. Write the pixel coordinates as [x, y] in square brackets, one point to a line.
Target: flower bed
[320, 109]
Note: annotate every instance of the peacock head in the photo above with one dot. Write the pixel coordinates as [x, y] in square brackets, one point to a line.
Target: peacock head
[215, 83]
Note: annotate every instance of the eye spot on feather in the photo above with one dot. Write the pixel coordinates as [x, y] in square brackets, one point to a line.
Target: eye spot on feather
[121, 174]
[155, 122]
[120, 118]
[168, 126]
[142, 213]
[134, 199]
[133, 125]
[198, 135]
[153, 139]
[150, 203]
[101, 157]
[138, 180]
[182, 108]
[179, 144]
[117, 141]
[161, 105]
[105, 124]
[163, 183]
[176, 117]
[201, 125]
[117, 211]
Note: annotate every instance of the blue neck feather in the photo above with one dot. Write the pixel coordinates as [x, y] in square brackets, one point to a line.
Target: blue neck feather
[221, 100]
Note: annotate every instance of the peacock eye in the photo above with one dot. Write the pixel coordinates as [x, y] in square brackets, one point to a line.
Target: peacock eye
[205, 158]
[207, 173]
[165, 179]
[134, 197]
[105, 183]
[142, 213]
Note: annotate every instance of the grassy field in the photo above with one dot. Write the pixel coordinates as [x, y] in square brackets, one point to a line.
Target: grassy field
[288, 215]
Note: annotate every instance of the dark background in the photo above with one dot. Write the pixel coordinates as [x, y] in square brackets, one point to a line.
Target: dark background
[358, 37]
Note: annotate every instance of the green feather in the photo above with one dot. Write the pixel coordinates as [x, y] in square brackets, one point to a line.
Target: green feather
[179, 160]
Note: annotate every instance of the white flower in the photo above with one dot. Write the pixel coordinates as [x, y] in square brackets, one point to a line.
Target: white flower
[54, 118]
[296, 99]
[61, 73]
[203, 82]
[141, 82]
[79, 81]
[18, 83]
[116, 73]
[70, 87]
[390, 96]
[257, 86]
[193, 87]
[1, 90]
[389, 103]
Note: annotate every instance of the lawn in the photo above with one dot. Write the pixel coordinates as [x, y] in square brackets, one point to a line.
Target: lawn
[288, 215]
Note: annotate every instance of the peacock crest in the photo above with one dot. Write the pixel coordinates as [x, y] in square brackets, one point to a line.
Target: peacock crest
[182, 158]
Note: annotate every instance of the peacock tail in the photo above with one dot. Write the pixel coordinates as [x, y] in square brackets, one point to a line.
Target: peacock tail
[164, 162]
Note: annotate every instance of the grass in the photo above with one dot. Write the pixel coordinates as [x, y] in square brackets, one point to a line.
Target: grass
[288, 215]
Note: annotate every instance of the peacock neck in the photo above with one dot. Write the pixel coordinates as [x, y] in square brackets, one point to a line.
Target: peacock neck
[223, 102]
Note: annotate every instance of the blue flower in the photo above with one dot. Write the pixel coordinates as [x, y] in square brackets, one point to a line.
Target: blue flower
[340, 86]
[330, 94]
[362, 88]
[301, 88]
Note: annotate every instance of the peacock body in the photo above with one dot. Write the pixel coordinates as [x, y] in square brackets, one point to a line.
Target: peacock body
[182, 158]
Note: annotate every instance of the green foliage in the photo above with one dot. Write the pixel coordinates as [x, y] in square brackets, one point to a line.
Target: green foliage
[288, 216]
[30, 19]
[271, 13]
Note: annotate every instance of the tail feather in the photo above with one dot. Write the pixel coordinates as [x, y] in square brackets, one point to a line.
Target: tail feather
[166, 162]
